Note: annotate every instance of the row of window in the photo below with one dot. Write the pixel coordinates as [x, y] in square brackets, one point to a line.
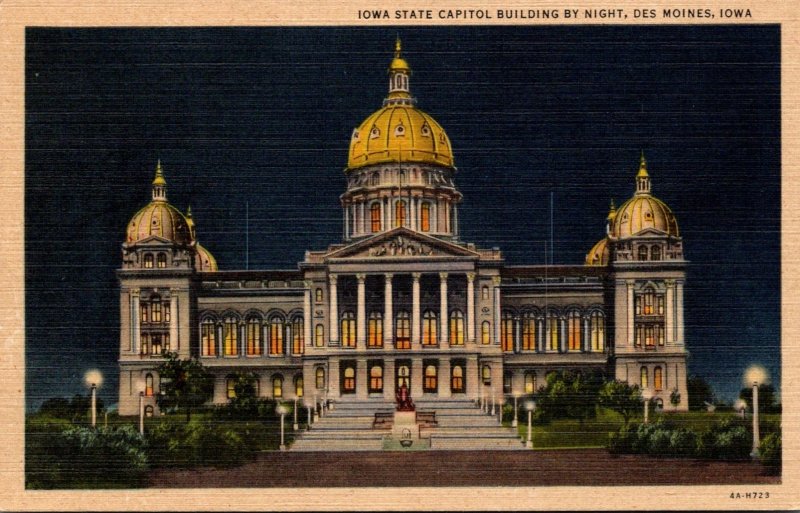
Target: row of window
[651, 253]
[430, 377]
[658, 378]
[154, 310]
[530, 328]
[319, 294]
[159, 260]
[649, 303]
[648, 335]
[276, 331]
[400, 216]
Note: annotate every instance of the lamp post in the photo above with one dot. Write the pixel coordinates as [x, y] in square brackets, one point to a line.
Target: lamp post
[308, 424]
[93, 379]
[514, 422]
[282, 411]
[740, 407]
[315, 413]
[647, 394]
[754, 376]
[295, 426]
[530, 406]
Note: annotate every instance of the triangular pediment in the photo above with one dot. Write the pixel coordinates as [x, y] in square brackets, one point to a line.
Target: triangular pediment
[151, 241]
[650, 232]
[401, 243]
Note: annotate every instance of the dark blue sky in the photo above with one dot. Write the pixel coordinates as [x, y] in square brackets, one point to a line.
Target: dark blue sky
[263, 116]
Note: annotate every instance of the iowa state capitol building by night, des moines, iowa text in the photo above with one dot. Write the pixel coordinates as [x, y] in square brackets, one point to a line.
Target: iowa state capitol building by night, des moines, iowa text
[402, 300]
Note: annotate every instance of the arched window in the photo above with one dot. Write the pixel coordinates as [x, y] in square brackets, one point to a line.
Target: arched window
[375, 178]
[530, 382]
[486, 375]
[144, 311]
[319, 377]
[148, 411]
[319, 335]
[401, 177]
[425, 217]
[528, 332]
[277, 386]
[485, 292]
[597, 331]
[643, 253]
[574, 331]
[456, 328]
[230, 337]
[254, 346]
[161, 261]
[148, 261]
[298, 338]
[429, 328]
[348, 329]
[431, 383]
[230, 387]
[403, 330]
[553, 323]
[375, 217]
[349, 380]
[155, 309]
[643, 380]
[403, 376]
[508, 380]
[276, 336]
[655, 253]
[148, 385]
[298, 386]
[318, 295]
[375, 379]
[457, 379]
[375, 330]
[208, 338]
[658, 379]
[485, 330]
[507, 332]
[400, 213]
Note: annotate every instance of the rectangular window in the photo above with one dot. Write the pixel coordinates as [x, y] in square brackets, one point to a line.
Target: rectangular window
[167, 313]
[430, 384]
[319, 335]
[528, 334]
[144, 310]
[276, 338]
[297, 337]
[208, 339]
[156, 311]
[403, 332]
[507, 334]
[554, 334]
[253, 339]
[375, 378]
[230, 338]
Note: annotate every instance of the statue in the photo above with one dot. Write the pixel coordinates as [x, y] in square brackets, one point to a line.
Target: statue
[404, 402]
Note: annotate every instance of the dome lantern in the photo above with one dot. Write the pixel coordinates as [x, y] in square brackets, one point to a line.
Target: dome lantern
[159, 184]
[642, 177]
[399, 71]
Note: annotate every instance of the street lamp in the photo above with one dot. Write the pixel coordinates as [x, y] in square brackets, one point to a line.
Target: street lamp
[93, 379]
[140, 387]
[647, 394]
[282, 411]
[295, 426]
[740, 407]
[754, 376]
[308, 408]
[514, 422]
[530, 406]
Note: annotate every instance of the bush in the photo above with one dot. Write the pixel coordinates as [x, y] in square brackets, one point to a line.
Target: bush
[621, 442]
[683, 443]
[770, 451]
[658, 443]
[734, 444]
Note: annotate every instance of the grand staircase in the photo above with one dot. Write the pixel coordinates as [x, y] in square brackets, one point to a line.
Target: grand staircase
[460, 425]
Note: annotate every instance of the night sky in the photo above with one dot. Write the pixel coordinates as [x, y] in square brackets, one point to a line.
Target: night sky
[262, 117]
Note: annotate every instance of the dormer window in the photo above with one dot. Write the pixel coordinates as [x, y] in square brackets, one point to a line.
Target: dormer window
[426, 130]
[374, 133]
[148, 261]
[400, 131]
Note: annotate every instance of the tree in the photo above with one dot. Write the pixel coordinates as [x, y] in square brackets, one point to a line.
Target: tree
[766, 398]
[184, 384]
[700, 392]
[621, 398]
[571, 395]
[76, 410]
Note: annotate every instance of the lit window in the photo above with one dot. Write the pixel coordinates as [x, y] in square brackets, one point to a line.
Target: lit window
[319, 377]
[400, 213]
[148, 385]
[144, 309]
[277, 386]
[167, 312]
[155, 309]
[574, 331]
[319, 335]
[230, 339]
[298, 386]
[348, 329]
[298, 340]
[276, 336]
[658, 378]
[597, 328]
[254, 337]
[655, 253]
[349, 380]
[528, 332]
[457, 379]
[431, 383]
[553, 325]
[155, 344]
[429, 328]
[486, 375]
[148, 411]
[208, 338]
[375, 379]
[643, 381]
[375, 217]
[508, 379]
[318, 295]
[403, 331]
[456, 328]
[161, 261]
[485, 339]
[375, 330]
[425, 217]
[148, 261]
[507, 332]
[530, 382]
[403, 376]
[230, 387]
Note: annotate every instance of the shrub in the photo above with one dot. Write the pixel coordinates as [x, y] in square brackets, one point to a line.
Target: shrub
[683, 443]
[621, 442]
[770, 451]
[658, 443]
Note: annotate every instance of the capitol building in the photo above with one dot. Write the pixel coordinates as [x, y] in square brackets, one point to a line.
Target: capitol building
[402, 299]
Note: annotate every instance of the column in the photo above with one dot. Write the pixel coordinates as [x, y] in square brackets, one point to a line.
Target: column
[361, 312]
[444, 377]
[547, 335]
[496, 283]
[363, 219]
[629, 308]
[586, 342]
[347, 222]
[669, 319]
[174, 341]
[563, 323]
[136, 317]
[385, 204]
[333, 299]
[679, 312]
[470, 317]
[388, 380]
[287, 339]
[447, 225]
[219, 339]
[307, 314]
[443, 308]
[517, 334]
[455, 220]
[412, 206]
[541, 324]
[388, 314]
[415, 341]
[362, 380]
[242, 338]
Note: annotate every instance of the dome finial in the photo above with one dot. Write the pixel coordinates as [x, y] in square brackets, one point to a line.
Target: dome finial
[189, 211]
[159, 184]
[642, 177]
[397, 47]
[399, 71]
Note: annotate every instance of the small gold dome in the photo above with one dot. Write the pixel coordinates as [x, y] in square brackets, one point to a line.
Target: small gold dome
[598, 255]
[159, 219]
[643, 211]
[204, 261]
[399, 133]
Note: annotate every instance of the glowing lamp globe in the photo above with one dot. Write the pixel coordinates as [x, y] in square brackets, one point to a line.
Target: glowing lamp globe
[93, 377]
[756, 375]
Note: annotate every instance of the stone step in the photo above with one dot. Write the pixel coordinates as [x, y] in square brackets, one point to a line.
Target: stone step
[475, 444]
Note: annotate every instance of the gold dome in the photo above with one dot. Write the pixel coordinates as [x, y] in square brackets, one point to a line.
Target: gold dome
[643, 211]
[159, 218]
[399, 133]
[204, 261]
[598, 255]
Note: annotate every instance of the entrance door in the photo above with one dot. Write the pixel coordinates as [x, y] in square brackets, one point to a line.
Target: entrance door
[403, 375]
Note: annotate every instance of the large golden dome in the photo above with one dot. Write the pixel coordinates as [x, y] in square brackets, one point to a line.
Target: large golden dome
[159, 218]
[643, 211]
[399, 132]
[598, 255]
[204, 261]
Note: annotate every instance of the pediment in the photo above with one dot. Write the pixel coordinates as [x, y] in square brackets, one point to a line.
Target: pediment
[650, 232]
[153, 241]
[401, 243]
